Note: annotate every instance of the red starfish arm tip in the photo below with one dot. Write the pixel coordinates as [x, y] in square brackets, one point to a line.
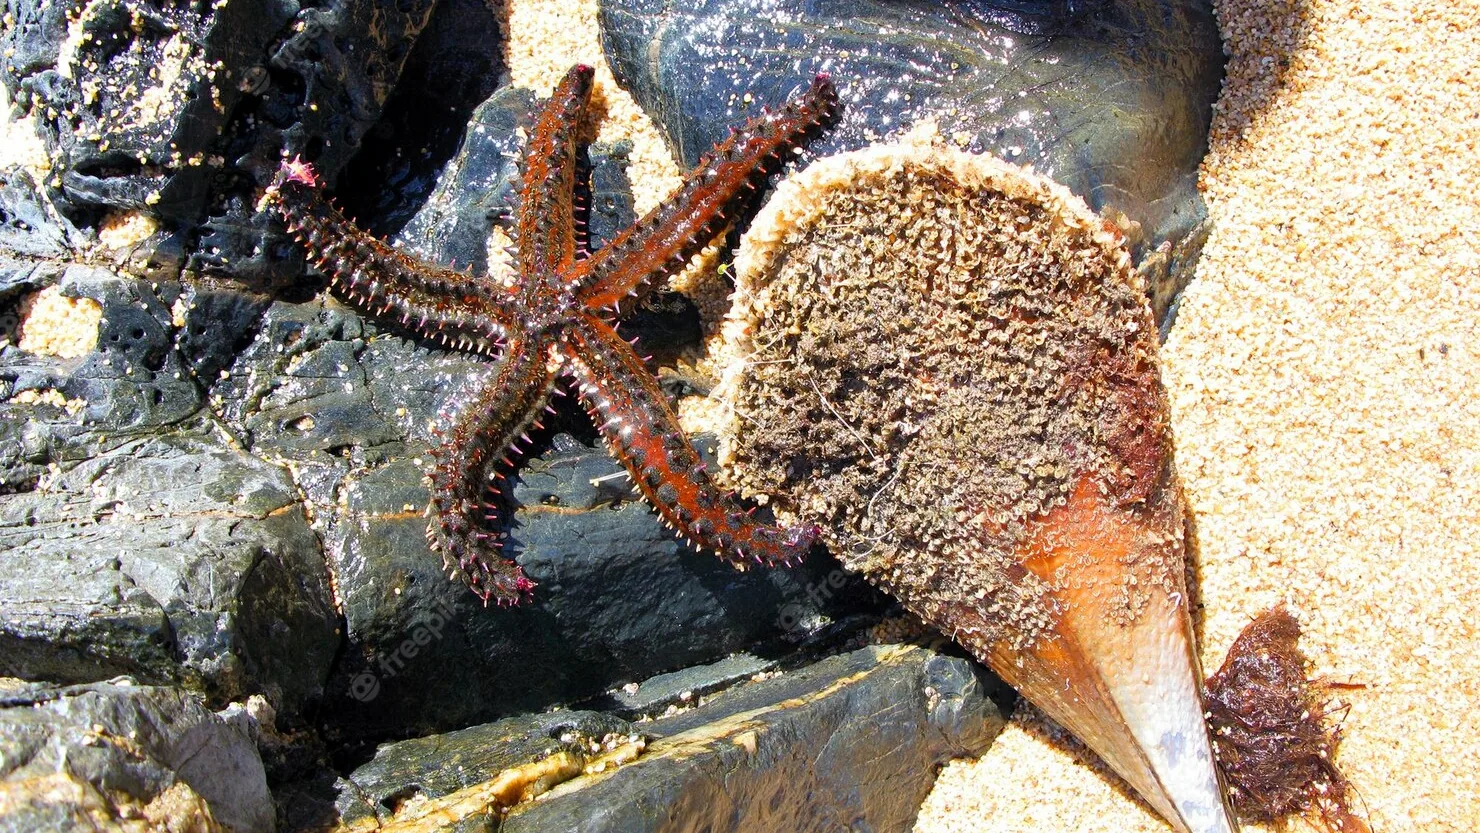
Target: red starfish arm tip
[300, 171]
[484, 433]
[661, 243]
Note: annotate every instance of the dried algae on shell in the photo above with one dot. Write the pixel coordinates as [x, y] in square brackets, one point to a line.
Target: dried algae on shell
[948, 363]
[933, 357]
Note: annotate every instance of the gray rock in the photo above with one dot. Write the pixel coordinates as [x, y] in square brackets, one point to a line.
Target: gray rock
[654, 695]
[172, 559]
[31, 224]
[73, 757]
[456, 63]
[136, 537]
[1111, 99]
[180, 112]
[126, 96]
[476, 188]
[850, 742]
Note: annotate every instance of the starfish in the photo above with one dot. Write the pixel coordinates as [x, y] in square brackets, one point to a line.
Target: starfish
[558, 320]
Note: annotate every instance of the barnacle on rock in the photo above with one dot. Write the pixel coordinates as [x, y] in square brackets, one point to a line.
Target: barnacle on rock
[949, 365]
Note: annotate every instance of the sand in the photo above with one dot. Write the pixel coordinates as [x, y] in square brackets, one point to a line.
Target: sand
[1323, 374]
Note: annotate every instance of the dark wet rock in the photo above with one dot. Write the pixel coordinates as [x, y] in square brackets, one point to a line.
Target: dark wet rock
[71, 757]
[655, 694]
[850, 742]
[170, 558]
[455, 65]
[136, 377]
[181, 112]
[216, 325]
[611, 205]
[318, 88]
[30, 222]
[853, 742]
[20, 276]
[131, 99]
[476, 188]
[1112, 99]
[158, 345]
[618, 598]
[137, 539]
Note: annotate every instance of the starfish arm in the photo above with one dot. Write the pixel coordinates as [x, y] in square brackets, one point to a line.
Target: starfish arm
[464, 310]
[635, 420]
[662, 242]
[484, 434]
[546, 227]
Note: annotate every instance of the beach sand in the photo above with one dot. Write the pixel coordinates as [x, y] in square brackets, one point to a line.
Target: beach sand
[1323, 372]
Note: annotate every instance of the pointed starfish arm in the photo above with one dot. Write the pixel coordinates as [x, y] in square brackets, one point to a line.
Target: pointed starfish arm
[634, 418]
[470, 312]
[547, 241]
[661, 243]
[484, 434]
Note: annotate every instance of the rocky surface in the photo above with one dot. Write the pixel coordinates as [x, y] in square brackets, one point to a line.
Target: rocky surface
[120, 756]
[852, 742]
[455, 64]
[438, 766]
[179, 112]
[179, 511]
[138, 538]
[1110, 99]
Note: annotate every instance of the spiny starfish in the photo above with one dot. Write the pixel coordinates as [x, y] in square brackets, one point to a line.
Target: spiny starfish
[558, 319]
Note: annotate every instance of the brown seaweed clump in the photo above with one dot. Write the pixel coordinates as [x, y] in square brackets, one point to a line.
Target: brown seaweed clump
[948, 364]
[1275, 732]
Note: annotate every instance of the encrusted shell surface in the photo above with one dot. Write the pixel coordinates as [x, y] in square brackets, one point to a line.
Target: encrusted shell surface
[949, 364]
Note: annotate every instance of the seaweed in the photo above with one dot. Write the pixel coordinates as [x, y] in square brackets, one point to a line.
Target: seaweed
[1276, 730]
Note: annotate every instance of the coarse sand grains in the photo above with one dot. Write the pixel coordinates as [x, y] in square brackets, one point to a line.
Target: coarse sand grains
[1323, 372]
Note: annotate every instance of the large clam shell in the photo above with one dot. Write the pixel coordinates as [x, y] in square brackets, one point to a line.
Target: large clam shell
[949, 364]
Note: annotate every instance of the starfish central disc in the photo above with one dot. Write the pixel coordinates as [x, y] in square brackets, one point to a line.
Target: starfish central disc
[553, 322]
